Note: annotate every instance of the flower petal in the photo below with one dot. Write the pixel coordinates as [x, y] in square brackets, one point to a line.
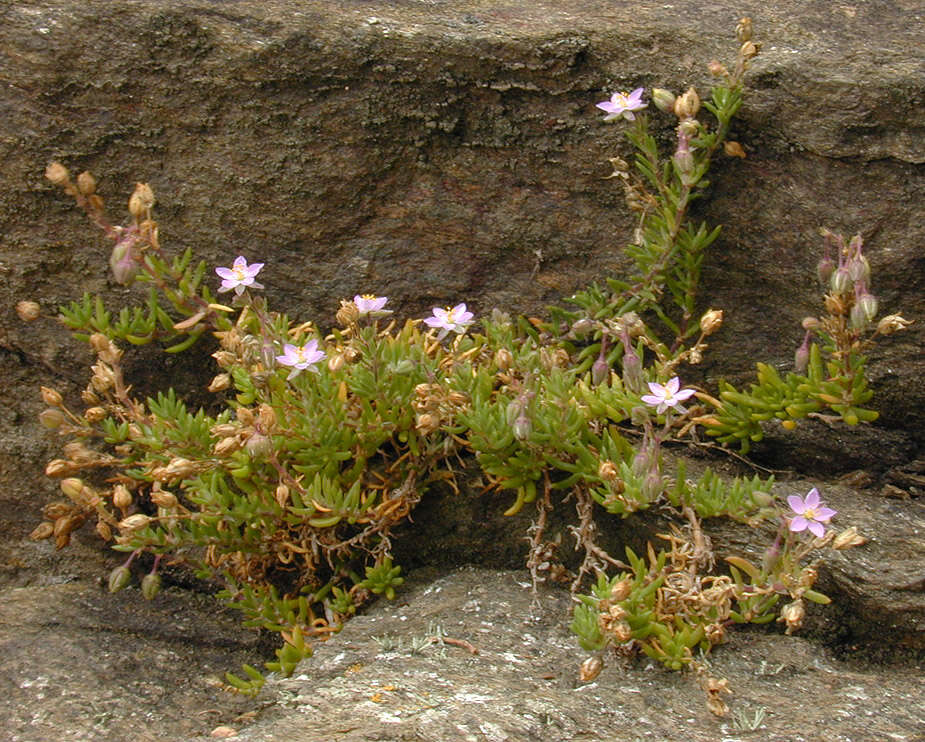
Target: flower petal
[817, 529]
[799, 524]
[796, 503]
[812, 498]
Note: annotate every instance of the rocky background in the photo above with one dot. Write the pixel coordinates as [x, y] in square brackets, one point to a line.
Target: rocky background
[439, 151]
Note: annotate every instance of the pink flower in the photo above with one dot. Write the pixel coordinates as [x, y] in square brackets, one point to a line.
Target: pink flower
[369, 304]
[669, 395]
[239, 276]
[811, 513]
[448, 320]
[623, 105]
[300, 358]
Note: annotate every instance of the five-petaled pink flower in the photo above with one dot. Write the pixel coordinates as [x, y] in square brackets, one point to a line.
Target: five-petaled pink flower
[239, 276]
[369, 304]
[300, 358]
[622, 105]
[811, 513]
[669, 395]
[448, 320]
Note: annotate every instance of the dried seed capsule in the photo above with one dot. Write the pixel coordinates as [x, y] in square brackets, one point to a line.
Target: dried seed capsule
[28, 310]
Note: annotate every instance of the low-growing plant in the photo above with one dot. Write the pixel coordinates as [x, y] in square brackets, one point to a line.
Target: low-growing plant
[321, 440]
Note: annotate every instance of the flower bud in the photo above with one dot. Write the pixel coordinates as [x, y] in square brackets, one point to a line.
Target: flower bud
[522, 427]
[858, 317]
[711, 321]
[633, 378]
[868, 304]
[119, 578]
[52, 419]
[51, 397]
[86, 183]
[684, 161]
[840, 282]
[141, 201]
[590, 669]
[600, 371]
[122, 262]
[258, 446]
[801, 357]
[653, 486]
[824, 269]
[859, 269]
[664, 100]
[150, 585]
[28, 310]
[892, 323]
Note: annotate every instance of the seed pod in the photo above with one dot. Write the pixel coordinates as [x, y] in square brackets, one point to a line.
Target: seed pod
[711, 321]
[57, 174]
[51, 397]
[220, 383]
[590, 669]
[86, 183]
[119, 578]
[504, 359]
[43, 530]
[28, 310]
[121, 497]
[52, 419]
[134, 522]
[150, 585]
[94, 414]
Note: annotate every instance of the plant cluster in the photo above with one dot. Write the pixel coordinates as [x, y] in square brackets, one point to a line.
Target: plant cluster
[321, 441]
